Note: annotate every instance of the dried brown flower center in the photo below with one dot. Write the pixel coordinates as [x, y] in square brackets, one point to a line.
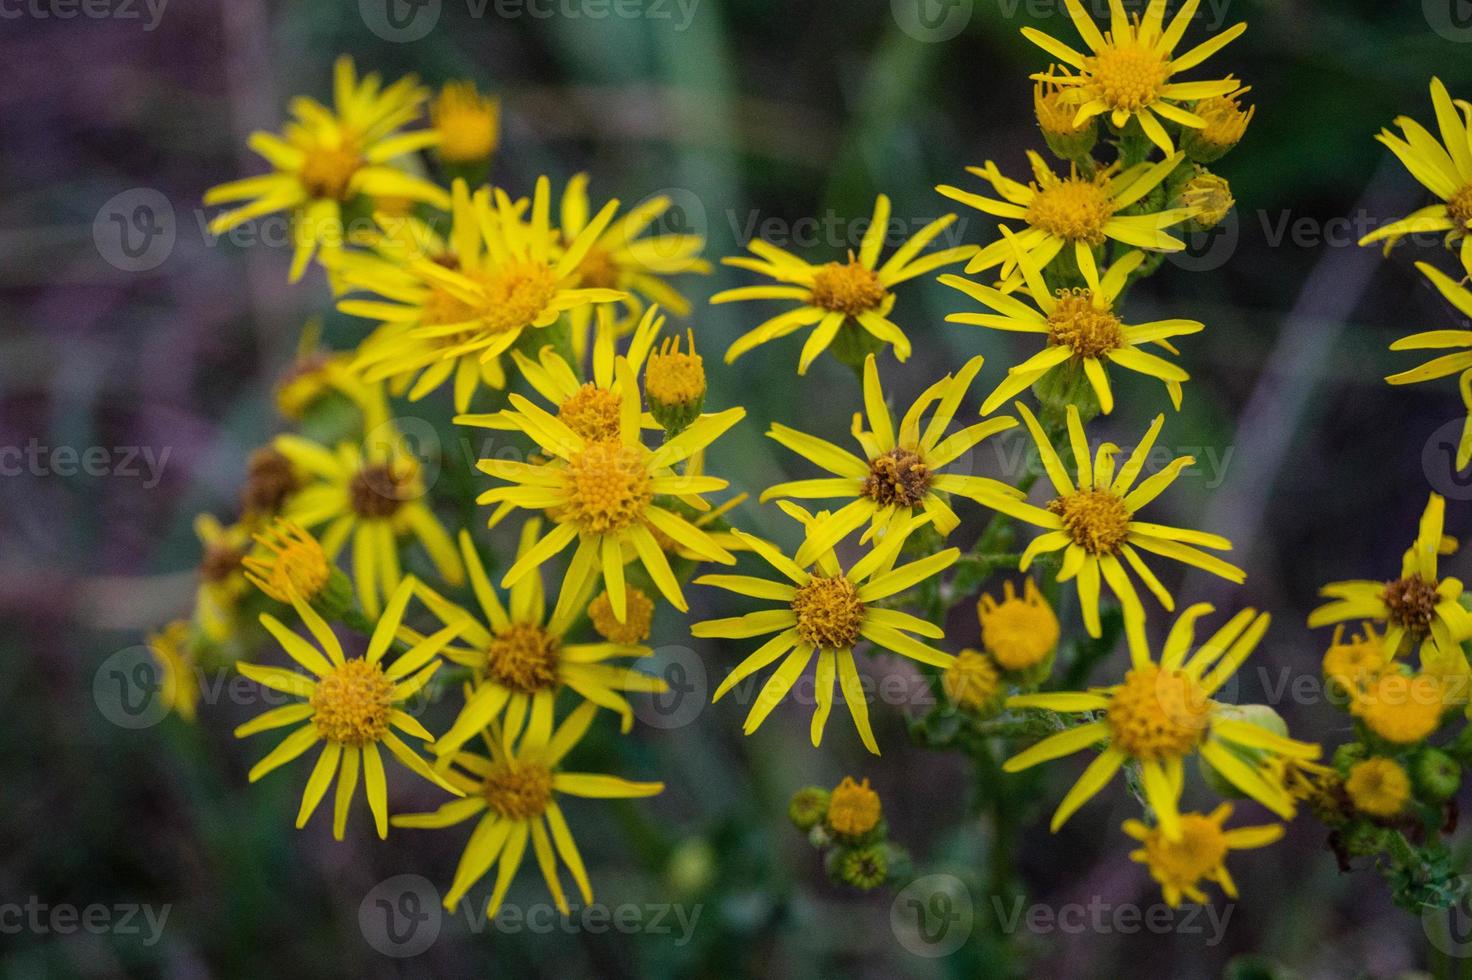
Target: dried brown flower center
[898, 477]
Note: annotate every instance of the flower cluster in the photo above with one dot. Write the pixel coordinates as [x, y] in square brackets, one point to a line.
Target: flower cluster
[847, 824]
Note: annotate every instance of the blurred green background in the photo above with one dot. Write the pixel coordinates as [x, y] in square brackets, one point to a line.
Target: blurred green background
[743, 111]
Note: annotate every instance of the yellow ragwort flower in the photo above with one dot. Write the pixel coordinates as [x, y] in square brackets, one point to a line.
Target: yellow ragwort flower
[221, 578]
[468, 123]
[514, 790]
[1020, 632]
[837, 295]
[1379, 787]
[1400, 708]
[1163, 713]
[853, 808]
[902, 472]
[1354, 663]
[1418, 609]
[1439, 367]
[172, 650]
[1081, 328]
[351, 706]
[1095, 523]
[1128, 71]
[326, 157]
[827, 611]
[973, 681]
[1181, 865]
[290, 563]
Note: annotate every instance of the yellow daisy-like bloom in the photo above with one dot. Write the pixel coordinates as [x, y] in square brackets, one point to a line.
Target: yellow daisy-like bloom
[827, 612]
[622, 257]
[514, 791]
[589, 408]
[973, 681]
[638, 618]
[351, 707]
[853, 808]
[1444, 168]
[468, 123]
[605, 494]
[1129, 70]
[1199, 854]
[1439, 367]
[178, 684]
[1379, 787]
[1077, 211]
[1418, 609]
[292, 563]
[522, 659]
[1094, 523]
[1162, 713]
[327, 157]
[835, 293]
[458, 310]
[316, 372]
[1081, 329]
[1402, 709]
[372, 495]
[1020, 632]
[221, 578]
[1357, 662]
[902, 470]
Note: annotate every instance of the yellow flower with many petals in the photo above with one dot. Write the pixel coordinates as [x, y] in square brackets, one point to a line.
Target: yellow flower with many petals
[1019, 632]
[828, 611]
[605, 494]
[1439, 367]
[838, 295]
[1094, 522]
[902, 471]
[1418, 609]
[1163, 713]
[327, 157]
[522, 659]
[1128, 71]
[1445, 169]
[1378, 786]
[514, 790]
[468, 123]
[1077, 211]
[351, 706]
[1200, 853]
[1081, 328]
[372, 496]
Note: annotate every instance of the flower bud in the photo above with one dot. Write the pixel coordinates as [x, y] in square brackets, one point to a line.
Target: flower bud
[1209, 197]
[1436, 775]
[1056, 120]
[808, 807]
[1226, 123]
[674, 384]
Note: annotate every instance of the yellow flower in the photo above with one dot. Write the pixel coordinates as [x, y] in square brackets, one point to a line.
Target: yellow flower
[1080, 327]
[1069, 139]
[902, 470]
[514, 790]
[1161, 714]
[1439, 367]
[835, 293]
[1019, 632]
[1418, 609]
[1226, 124]
[1128, 71]
[674, 384]
[351, 706]
[327, 157]
[1402, 709]
[221, 579]
[1445, 169]
[1198, 855]
[453, 307]
[973, 681]
[622, 257]
[1077, 211]
[1209, 196]
[1095, 523]
[317, 372]
[522, 659]
[372, 495]
[1379, 787]
[293, 563]
[827, 612]
[853, 808]
[172, 650]
[606, 494]
[639, 617]
[468, 123]
[1357, 662]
